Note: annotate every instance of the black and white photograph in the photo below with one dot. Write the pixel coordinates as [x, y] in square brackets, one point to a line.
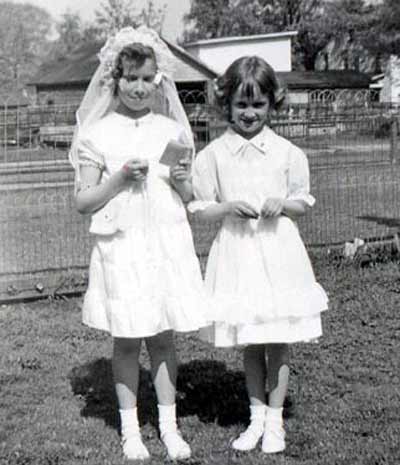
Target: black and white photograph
[199, 232]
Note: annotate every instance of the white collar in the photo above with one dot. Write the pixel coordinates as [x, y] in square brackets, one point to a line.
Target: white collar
[147, 118]
[236, 142]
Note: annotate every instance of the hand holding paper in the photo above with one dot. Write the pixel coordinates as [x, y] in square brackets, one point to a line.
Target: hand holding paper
[181, 172]
[174, 153]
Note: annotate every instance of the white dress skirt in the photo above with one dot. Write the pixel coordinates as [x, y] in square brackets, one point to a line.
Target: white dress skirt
[258, 274]
[144, 275]
[142, 283]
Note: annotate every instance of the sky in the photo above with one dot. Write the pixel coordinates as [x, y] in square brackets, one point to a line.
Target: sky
[173, 24]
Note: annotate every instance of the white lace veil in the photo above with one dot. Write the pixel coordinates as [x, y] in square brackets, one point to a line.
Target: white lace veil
[99, 98]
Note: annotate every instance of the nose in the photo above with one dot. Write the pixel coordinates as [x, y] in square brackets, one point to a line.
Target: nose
[140, 88]
[249, 114]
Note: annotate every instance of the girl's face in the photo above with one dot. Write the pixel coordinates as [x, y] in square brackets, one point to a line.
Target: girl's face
[137, 85]
[249, 114]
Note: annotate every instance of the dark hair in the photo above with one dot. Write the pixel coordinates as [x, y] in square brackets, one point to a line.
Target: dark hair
[250, 72]
[136, 53]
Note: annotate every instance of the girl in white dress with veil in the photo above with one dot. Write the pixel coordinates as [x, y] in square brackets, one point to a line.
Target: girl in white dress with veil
[144, 277]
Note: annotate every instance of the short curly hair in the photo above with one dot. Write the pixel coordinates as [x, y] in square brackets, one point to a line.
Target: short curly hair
[136, 53]
[251, 72]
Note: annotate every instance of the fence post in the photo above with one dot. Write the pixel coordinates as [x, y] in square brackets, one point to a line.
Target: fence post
[393, 140]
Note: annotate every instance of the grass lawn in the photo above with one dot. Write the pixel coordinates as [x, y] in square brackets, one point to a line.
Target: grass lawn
[58, 407]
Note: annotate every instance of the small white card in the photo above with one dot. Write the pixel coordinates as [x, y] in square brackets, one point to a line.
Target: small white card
[175, 152]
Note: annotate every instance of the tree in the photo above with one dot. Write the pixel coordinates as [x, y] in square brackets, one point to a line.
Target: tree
[115, 14]
[152, 16]
[353, 21]
[310, 18]
[214, 18]
[24, 41]
[71, 34]
[382, 34]
[209, 19]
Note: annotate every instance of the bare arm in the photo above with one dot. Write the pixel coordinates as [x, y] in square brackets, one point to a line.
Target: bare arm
[180, 180]
[92, 196]
[184, 189]
[294, 208]
[218, 211]
[277, 206]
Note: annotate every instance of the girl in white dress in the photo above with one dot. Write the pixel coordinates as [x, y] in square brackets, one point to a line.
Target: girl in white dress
[258, 272]
[144, 277]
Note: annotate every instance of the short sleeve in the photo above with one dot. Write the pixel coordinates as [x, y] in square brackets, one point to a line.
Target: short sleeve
[88, 155]
[299, 177]
[205, 184]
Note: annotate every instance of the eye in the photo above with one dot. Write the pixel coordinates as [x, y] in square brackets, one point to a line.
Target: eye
[130, 78]
[149, 79]
[240, 105]
[259, 104]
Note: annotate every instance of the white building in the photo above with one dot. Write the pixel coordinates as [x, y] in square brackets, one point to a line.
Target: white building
[389, 82]
[275, 48]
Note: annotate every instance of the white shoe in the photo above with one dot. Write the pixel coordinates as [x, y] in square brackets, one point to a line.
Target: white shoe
[273, 438]
[248, 440]
[134, 449]
[177, 447]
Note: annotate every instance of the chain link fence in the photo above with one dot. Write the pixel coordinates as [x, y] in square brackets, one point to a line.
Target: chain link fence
[355, 176]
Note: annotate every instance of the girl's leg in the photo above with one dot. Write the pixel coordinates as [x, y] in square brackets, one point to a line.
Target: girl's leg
[278, 373]
[255, 372]
[164, 372]
[125, 363]
[278, 380]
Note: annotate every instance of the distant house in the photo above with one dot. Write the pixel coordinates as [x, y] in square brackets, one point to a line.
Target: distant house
[15, 99]
[65, 81]
[305, 87]
[388, 83]
[275, 48]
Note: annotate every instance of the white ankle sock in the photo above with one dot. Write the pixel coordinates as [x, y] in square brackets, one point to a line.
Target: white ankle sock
[132, 443]
[177, 448]
[257, 417]
[274, 414]
[274, 433]
[129, 422]
[250, 437]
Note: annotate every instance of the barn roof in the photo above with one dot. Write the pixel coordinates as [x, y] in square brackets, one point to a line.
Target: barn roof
[15, 98]
[81, 65]
[331, 79]
[241, 39]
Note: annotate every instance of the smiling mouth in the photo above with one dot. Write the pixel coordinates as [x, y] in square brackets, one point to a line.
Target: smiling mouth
[136, 97]
[249, 122]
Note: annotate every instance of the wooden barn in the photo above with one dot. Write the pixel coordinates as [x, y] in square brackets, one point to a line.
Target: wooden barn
[65, 81]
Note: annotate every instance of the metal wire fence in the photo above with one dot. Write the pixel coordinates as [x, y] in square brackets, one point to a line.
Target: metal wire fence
[45, 245]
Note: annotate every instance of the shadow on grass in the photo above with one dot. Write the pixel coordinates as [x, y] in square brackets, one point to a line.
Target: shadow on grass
[205, 388]
[93, 383]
